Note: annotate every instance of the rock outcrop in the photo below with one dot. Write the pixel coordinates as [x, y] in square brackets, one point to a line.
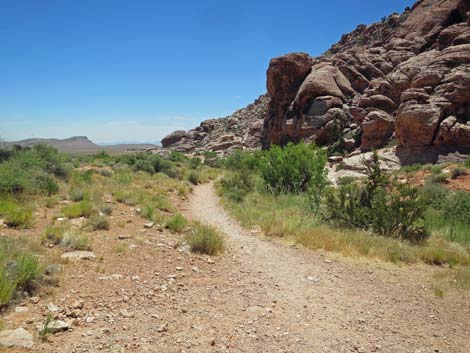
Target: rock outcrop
[405, 78]
[242, 129]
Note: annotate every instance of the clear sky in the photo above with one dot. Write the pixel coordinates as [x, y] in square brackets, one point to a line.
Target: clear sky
[135, 70]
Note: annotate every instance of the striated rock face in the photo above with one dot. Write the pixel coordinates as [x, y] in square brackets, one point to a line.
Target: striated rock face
[242, 129]
[407, 77]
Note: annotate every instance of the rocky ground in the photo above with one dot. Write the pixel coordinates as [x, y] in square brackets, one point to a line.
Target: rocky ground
[145, 292]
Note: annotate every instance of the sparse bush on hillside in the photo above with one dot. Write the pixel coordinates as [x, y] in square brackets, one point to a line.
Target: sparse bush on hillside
[97, 222]
[194, 178]
[81, 209]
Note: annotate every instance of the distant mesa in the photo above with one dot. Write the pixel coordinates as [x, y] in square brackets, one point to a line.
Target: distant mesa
[81, 144]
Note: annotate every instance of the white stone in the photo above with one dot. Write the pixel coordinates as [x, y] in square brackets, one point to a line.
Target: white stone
[16, 338]
[79, 255]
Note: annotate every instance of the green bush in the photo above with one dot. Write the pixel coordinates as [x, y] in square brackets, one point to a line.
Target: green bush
[237, 184]
[106, 209]
[53, 234]
[456, 172]
[76, 240]
[176, 223]
[144, 165]
[194, 178]
[81, 209]
[195, 162]
[15, 215]
[205, 239]
[290, 169]
[77, 194]
[383, 206]
[97, 222]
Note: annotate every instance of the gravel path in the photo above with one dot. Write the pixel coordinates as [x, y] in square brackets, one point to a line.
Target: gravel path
[322, 305]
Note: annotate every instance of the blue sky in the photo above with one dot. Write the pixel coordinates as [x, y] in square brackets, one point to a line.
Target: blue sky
[136, 70]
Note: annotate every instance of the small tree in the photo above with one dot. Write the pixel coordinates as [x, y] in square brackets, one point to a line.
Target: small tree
[293, 168]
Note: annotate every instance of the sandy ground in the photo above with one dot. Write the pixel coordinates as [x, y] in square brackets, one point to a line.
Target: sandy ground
[260, 296]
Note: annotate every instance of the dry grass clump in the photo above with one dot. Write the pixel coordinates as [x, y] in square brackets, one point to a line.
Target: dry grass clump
[205, 239]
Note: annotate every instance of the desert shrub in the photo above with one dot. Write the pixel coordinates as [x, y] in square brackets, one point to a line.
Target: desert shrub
[162, 203]
[176, 156]
[53, 234]
[456, 172]
[467, 162]
[381, 205]
[211, 159]
[243, 160]
[19, 269]
[106, 209]
[290, 169]
[77, 194]
[412, 168]
[237, 184]
[195, 162]
[123, 176]
[81, 209]
[346, 180]
[106, 173]
[205, 239]
[436, 178]
[148, 211]
[82, 177]
[194, 177]
[144, 165]
[97, 222]
[7, 287]
[456, 216]
[27, 270]
[75, 240]
[176, 223]
[15, 215]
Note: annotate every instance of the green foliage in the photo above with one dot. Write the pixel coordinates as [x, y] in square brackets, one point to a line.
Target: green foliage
[97, 222]
[436, 178]
[176, 223]
[195, 162]
[77, 194]
[240, 160]
[106, 209]
[81, 209]
[291, 169]
[450, 216]
[15, 215]
[205, 239]
[53, 234]
[237, 184]
[467, 162]
[381, 205]
[76, 240]
[45, 329]
[32, 170]
[19, 269]
[211, 159]
[456, 172]
[194, 177]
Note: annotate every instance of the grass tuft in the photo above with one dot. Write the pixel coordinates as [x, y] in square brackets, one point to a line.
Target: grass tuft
[205, 239]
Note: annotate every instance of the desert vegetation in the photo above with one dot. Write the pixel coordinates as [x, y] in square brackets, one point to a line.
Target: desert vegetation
[55, 203]
[284, 192]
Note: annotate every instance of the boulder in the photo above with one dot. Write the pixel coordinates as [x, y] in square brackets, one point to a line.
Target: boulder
[172, 138]
[377, 128]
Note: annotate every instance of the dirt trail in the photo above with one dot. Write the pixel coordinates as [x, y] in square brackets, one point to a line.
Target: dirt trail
[146, 292]
[320, 305]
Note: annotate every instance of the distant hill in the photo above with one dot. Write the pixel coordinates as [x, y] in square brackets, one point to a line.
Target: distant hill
[81, 144]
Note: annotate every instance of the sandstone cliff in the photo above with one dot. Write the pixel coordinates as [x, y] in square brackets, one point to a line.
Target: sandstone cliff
[406, 78]
[404, 81]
